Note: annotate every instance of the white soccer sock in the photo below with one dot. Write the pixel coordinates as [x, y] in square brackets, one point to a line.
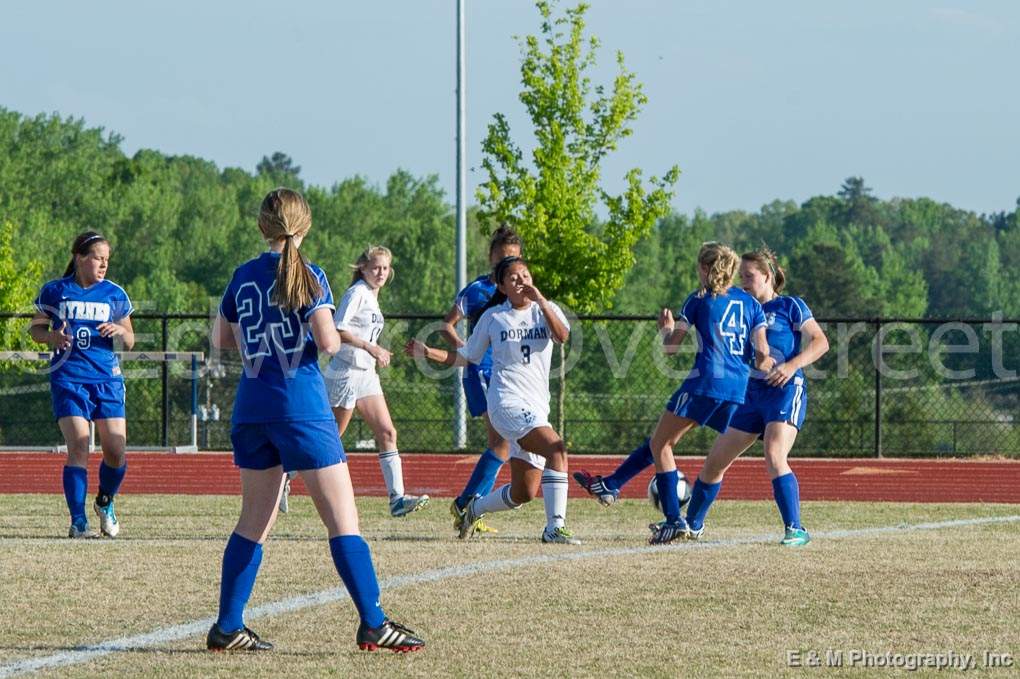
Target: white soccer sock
[392, 473]
[496, 501]
[554, 495]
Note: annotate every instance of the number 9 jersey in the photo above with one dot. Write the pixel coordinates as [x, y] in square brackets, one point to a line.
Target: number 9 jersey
[90, 360]
[281, 380]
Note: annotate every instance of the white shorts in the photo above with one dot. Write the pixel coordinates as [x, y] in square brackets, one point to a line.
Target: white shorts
[346, 386]
[514, 422]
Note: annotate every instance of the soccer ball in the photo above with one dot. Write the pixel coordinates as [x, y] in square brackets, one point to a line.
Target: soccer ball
[683, 491]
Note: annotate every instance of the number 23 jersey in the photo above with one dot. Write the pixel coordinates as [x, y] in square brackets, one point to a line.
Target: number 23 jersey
[280, 379]
[521, 354]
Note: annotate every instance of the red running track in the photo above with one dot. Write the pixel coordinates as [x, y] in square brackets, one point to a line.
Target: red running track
[445, 475]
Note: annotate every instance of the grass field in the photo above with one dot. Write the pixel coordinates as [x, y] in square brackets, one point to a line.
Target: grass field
[507, 605]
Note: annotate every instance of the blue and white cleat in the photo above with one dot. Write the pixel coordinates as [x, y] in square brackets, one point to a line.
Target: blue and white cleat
[665, 532]
[597, 488]
[108, 523]
[795, 537]
[405, 504]
[80, 531]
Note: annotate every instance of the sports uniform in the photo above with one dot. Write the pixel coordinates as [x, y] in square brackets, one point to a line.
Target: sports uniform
[764, 403]
[351, 373]
[281, 415]
[518, 393]
[86, 381]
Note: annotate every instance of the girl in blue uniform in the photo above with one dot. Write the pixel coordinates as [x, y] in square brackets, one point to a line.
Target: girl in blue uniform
[278, 311]
[78, 317]
[773, 410]
[469, 304]
[776, 400]
[728, 322]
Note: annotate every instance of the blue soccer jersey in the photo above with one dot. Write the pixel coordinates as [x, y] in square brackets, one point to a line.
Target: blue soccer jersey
[90, 359]
[724, 324]
[470, 301]
[281, 380]
[784, 317]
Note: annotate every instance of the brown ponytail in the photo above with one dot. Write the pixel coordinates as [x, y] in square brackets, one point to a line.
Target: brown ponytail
[81, 246]
[285, 215]
[767, 263]
[722, 263]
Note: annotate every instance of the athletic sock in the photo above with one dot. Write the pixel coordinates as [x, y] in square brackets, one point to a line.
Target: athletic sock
[666, 483]
[110, 479]
[392, 473]
[241, 560]
[554, 496]
[702, 496]
[353, 561]
[76, 483]
[496, 501]
[786, 490]
[483, 477]
[639, 459]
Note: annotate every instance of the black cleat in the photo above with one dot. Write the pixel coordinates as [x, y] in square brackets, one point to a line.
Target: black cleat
[241, 640]
[391, 635]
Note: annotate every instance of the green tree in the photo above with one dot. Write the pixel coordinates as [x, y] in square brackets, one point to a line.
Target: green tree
[576, 258]
[18, 286]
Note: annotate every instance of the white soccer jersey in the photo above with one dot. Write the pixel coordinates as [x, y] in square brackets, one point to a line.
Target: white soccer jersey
[358, 313]
[521, 353]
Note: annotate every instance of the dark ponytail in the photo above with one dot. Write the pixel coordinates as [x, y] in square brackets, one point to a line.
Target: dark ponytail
[81, 246]
[504, 235]
[498, 273]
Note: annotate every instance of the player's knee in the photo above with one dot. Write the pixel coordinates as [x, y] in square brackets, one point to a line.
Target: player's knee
[388, 438]
[526, 492]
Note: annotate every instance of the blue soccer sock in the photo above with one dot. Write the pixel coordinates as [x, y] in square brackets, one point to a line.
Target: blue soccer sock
[483, 478]
[786, 490]
[702, 496]
[639, 459]
[353, 561]
[110, 478]
[76, 486]
[241, 560]
[668, 499]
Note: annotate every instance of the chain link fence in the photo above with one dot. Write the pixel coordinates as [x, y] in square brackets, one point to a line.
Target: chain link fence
[893, 387]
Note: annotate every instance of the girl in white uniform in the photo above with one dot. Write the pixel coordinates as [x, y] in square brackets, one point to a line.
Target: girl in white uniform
[351, 379]
[521, 326]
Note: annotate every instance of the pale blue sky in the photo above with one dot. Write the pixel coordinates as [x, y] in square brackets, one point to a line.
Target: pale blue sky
[754, 100]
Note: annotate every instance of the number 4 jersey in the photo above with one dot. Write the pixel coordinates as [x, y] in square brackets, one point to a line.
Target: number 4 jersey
[91, 359]
[521, 354]
[724, 324]
[281, 380]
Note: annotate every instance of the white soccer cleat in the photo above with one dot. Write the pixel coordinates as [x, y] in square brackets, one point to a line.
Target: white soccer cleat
[108, 523]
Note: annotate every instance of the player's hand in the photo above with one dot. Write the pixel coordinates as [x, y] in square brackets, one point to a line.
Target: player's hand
[415, 349]
[111, 329]
[382, 357]
[531, 292]
[58, 339]
[666, 322]
[765, 365]
[780, 375]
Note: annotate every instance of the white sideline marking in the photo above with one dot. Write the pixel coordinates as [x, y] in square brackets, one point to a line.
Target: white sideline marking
[297, 603]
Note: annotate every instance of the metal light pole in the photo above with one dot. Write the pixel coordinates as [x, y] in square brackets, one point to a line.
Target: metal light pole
[459, 410]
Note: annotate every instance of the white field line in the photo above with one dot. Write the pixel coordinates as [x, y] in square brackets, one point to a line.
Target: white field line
[165, 635]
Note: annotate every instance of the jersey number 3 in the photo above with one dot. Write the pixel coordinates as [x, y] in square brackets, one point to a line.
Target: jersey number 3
[732, 327]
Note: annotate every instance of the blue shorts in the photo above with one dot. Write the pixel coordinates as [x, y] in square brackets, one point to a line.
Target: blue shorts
[99, 401]
[707, 412]
[295, 445]
[767, 404]
[476, 383]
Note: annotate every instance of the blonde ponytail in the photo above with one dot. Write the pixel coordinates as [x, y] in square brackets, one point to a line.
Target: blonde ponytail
[721, 263]
[285, 215]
